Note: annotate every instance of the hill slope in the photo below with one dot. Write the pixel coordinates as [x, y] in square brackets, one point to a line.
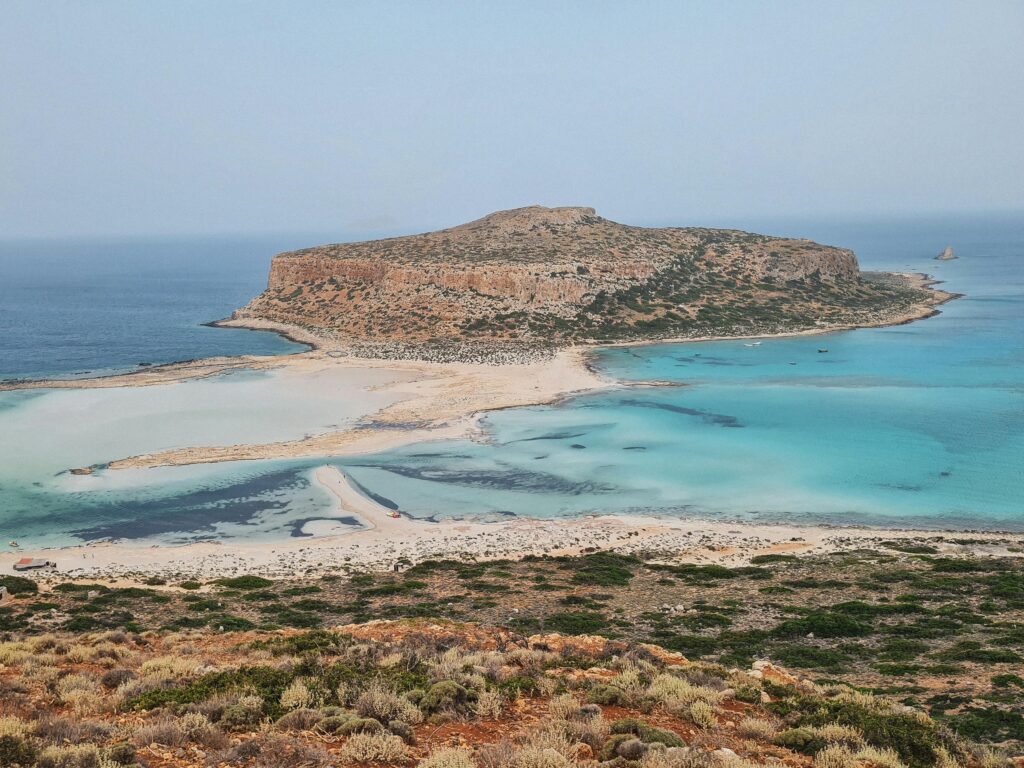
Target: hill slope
[561, 275]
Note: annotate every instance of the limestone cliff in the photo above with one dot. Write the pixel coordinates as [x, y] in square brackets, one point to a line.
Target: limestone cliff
[566, 274]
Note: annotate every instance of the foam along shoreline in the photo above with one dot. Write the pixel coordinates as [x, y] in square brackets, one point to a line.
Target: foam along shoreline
[387, 543]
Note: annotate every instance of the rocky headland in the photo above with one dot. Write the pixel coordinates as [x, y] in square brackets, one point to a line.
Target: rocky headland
[535, 277]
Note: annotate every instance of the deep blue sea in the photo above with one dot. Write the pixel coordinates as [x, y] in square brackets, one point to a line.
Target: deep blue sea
[96, 306]
[916, 425]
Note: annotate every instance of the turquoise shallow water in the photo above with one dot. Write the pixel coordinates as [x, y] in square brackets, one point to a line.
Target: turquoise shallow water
[916, 425]
[913, 425]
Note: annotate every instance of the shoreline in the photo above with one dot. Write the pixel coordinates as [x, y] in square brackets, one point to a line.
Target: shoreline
[447, 399]
[388, 543]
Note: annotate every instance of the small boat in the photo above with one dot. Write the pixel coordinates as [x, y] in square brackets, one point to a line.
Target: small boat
[823, 350]
[33, 563]
[12, 543]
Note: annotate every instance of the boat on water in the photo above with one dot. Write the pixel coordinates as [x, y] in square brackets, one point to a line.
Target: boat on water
[823, 350]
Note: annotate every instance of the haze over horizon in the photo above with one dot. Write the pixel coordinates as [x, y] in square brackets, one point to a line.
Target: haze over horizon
[190, 118]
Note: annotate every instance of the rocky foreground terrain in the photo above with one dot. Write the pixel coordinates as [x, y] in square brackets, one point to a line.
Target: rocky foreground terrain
[560, 275]
[858, 659]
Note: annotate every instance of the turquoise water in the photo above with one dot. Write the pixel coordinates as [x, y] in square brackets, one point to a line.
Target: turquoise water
[916, 425]
[919, 424]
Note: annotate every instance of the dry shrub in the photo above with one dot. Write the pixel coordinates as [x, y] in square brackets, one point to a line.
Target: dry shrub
[166, 732]
[171, 666]
[81, 693]
[489, 704]
[271, 750]
[73, 756]
[115, 678]
[592, 731]
[835, 756]
[448, 758]
[297, 695]
[245, 714]
[382, 703]
[299, 720]
[14, 727]
[676, 694]
[564, 707]
[278, 751]
[703, 714]
[757, 728]
[499, 755]
[14, 653]
[199, 730]
[62, 730]
[674, 757]
[546, 685]
[153, 682]
[943, 759]
[391, 660]
[540, 757]
[881, 758]
[373, 748]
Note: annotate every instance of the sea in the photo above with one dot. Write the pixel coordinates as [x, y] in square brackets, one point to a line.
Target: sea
[918, 425]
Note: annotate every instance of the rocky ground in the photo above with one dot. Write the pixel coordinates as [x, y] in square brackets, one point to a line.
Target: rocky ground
[535, 277]
[941, 634]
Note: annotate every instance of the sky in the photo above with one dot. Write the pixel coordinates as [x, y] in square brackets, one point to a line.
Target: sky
[166, 118]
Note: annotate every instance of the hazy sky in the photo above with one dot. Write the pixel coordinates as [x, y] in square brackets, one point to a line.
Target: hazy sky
[199, 117]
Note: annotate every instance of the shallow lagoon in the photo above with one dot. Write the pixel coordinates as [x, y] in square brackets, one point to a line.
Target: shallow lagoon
[47, 432]
[918, 425]
[913, 425]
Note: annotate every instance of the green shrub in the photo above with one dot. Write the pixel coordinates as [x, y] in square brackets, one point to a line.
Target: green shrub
[647, 733]
[446, 696]
[19, 585]
[803, 740]
[822, 624]
[16, 752]
[245, 582]
[606, 569]
[360, 725]
[576, 622]
[606, 694]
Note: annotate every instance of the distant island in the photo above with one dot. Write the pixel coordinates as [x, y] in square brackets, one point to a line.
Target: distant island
[947, 254]
[556, 276]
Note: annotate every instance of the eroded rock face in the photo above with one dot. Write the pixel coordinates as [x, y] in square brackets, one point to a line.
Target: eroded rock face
[556, 274]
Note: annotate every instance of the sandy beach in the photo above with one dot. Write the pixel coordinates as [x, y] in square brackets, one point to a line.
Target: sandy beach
[387, 542]
[436, 400]
[428, 401]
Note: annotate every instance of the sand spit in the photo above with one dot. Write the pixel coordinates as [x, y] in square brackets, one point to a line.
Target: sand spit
[387, 543]
[440, 402]
[443, 401]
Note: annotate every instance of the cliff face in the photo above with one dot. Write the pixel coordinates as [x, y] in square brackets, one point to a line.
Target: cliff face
[552, 274]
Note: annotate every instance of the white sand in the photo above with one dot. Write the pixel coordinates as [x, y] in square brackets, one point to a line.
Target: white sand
[388, 541]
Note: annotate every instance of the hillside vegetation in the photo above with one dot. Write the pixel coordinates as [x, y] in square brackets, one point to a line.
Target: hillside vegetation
[899, 658]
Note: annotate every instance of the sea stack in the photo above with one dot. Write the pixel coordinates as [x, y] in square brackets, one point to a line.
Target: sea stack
[946, 255]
